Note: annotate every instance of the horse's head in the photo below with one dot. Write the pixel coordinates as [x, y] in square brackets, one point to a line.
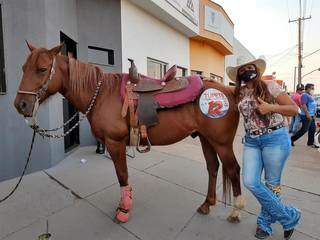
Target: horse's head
[40, 79]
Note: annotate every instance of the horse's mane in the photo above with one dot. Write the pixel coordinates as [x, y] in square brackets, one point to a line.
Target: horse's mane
[85, 76]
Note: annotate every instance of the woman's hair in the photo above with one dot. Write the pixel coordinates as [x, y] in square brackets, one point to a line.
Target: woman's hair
[260, 89]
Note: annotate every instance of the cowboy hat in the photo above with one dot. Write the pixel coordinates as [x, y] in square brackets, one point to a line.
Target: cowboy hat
[233, 71]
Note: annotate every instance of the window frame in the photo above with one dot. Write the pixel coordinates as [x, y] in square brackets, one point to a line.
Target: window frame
[163, 64]
[110, 52]
[184, 71]
[196, 72]
[216, 77]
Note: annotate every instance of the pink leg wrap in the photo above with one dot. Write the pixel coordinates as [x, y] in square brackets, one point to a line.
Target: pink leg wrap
[123, 211]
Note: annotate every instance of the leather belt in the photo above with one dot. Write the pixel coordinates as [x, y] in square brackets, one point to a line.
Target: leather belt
[265, 130]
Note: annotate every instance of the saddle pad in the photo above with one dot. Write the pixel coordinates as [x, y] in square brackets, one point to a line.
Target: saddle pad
[172, 99]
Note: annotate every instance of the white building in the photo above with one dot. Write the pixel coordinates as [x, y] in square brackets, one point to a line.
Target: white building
[155, 33]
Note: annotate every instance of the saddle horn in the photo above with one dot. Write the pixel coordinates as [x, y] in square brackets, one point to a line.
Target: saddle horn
[133, 72]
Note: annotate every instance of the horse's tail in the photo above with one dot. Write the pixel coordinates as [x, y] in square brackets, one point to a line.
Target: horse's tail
[226, 187]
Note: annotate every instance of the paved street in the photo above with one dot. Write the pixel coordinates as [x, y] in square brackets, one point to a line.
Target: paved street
[78, 198]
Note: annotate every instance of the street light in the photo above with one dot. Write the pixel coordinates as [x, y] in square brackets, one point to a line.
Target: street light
[318, 69]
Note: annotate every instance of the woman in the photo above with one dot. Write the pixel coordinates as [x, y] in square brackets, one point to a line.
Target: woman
[267, 143]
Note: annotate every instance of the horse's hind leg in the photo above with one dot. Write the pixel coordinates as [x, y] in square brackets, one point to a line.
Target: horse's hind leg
[117, 152]
[232, 170]
[212, 166]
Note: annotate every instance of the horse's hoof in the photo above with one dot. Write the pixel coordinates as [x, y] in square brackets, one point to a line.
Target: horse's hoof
[204, 209]
[122, 217]
[233, 219]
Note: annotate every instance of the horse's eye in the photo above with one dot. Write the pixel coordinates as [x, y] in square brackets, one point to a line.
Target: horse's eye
[42, 70]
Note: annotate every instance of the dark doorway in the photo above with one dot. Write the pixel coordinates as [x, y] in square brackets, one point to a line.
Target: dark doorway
[3, 88]
[73, 139]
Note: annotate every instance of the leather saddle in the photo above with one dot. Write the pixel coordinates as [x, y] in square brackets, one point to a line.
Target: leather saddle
[140, 99]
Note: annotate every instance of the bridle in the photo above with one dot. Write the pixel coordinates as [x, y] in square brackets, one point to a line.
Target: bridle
[46, 132]
[43, 89]
[39, 93]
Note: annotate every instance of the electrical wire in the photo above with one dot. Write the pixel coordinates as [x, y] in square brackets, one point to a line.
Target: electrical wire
[303, 22]
[291, 31]
[280, 53]
[284, 56]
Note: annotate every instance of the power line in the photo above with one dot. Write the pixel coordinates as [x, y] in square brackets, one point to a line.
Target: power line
[300, 21]
[283, 57]
[280, 53]
[311, 53]
[311, 6]
[304, 14]
[289, 18]
[308, 27]
[300, 9]
[288, 9]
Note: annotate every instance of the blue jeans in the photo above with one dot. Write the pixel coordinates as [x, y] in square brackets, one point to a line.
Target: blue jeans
[307, 126]
[268, 152]
[295, 121]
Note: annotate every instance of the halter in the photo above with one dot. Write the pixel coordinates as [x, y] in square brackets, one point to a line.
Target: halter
[39, 94]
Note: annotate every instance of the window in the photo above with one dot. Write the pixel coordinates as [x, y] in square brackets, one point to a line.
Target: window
[155, 68]
[3, 87]
[216, 77]
[181, 72]
[194, 72]
[100, 56]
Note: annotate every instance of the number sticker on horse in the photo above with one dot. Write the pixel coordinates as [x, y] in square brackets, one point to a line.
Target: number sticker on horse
[213, 103]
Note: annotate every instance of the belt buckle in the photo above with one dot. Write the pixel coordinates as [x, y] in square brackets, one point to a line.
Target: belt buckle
[254, 134]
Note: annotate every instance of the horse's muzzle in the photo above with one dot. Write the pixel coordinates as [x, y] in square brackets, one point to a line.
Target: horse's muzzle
[24, 107]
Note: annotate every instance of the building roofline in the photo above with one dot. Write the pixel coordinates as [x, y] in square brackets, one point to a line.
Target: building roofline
[222, 10]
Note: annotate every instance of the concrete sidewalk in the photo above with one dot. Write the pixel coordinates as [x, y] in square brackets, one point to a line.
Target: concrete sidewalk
[79, 199]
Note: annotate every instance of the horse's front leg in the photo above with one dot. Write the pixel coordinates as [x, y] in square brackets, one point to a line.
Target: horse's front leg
[117, 151]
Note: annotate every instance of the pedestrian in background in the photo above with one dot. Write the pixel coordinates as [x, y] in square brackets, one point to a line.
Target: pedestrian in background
[308, 112]
[267, 144]
[296, 120]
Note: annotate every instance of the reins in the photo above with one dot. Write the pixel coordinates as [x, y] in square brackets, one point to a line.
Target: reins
[24, 170]
[45, 132]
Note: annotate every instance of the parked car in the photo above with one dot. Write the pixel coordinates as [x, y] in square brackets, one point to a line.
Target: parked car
[317, 99]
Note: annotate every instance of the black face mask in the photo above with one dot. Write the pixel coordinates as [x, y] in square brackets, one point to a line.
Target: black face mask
[248, 75]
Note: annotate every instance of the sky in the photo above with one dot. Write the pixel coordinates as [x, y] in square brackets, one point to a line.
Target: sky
[262, 27]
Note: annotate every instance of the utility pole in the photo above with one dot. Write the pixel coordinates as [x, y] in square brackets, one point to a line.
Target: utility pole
[300, 43]
[295, 79]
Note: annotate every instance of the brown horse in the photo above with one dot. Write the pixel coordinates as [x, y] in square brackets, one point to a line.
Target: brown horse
[47, 72]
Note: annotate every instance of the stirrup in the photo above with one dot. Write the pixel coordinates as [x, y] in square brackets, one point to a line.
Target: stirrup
[146, 148]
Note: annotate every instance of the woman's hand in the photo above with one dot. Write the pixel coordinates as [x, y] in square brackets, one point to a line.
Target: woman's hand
[264, 107]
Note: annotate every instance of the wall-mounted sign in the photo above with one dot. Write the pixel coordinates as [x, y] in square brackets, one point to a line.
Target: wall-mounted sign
[216, 22]
[189, 8]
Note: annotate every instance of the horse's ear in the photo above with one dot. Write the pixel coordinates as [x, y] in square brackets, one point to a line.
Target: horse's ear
[54, 51]
[30, 46]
